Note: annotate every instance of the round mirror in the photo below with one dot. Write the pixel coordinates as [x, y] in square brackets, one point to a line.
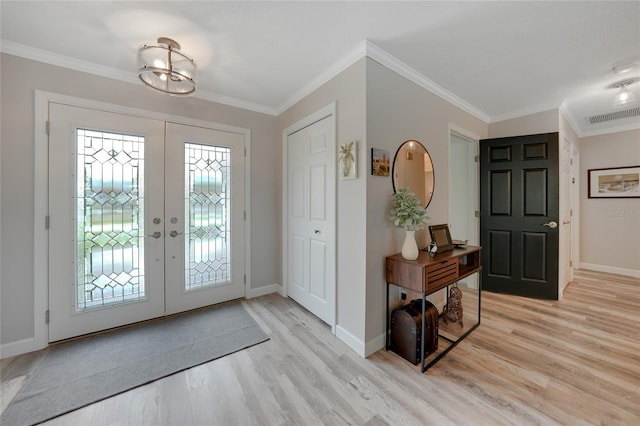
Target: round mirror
[413, 169]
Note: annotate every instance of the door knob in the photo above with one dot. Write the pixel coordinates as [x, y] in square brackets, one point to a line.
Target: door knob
[552, 224]
[156, 234]
[317, 231]
[174, 233]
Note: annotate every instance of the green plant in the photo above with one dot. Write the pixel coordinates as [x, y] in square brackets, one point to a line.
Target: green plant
[406, 210]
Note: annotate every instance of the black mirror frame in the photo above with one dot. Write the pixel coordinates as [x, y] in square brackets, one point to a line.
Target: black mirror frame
[393, 168]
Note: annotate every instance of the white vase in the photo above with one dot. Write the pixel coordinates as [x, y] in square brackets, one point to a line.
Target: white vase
[410, 247]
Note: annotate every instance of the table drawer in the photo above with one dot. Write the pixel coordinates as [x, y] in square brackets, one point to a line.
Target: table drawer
[440, 274]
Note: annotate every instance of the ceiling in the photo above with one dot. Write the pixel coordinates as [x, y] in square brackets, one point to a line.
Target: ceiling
[496, 60]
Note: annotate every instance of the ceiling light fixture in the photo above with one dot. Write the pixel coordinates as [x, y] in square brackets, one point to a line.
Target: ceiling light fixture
[163, 67]
[624, 67]
[624, 97]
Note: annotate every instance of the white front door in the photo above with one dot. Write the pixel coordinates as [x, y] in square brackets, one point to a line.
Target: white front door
[311, 218]
[141, 222]
[204, 213]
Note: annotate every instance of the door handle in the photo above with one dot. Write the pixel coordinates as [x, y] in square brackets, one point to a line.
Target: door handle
[552, 224]
[317, 231]
[175, 233]
[156, 234]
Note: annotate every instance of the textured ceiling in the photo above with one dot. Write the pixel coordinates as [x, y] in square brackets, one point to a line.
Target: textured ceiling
[500, 59]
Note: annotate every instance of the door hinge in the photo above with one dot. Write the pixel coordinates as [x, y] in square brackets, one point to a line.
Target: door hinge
[46, 222]
[46, 317]
[477, 213]
[245, 152]
[244, 278]
[46, 126]
[245, 215]
[571, 263]
[476, 159]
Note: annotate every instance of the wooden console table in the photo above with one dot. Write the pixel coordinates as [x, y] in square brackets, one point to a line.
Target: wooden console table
[426, 275]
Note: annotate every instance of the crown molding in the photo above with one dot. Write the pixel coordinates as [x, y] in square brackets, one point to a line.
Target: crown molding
[44, 56]
[342, 64]
[523, 112]
[609, 130]
[394, 64]
[571, 119]
[40, 55]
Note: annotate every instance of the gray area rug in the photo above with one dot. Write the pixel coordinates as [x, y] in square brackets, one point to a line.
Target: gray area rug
[76, 374]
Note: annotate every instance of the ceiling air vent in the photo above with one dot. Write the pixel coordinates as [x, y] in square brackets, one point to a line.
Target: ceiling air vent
[627, 113]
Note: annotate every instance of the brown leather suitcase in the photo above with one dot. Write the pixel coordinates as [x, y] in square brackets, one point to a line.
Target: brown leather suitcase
[406, 322]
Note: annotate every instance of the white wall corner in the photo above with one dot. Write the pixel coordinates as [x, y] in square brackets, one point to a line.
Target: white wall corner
[20, 347]
[573, 122]
[264, 290]
[374, 345]
[350, 340]
[610, 269]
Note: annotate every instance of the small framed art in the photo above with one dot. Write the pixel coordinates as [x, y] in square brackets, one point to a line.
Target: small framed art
[380, 162]
[347, 161]
[614, 182]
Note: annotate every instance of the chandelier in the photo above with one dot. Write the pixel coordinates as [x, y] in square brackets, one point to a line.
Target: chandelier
[163, 67]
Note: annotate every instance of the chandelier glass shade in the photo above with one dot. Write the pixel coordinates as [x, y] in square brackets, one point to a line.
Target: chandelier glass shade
[624, 97]
[163, 67]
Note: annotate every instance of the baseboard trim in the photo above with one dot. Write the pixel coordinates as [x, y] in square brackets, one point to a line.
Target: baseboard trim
[262, 291]
[374, 345]
[610, 269]
[19, 347]
[350, 340]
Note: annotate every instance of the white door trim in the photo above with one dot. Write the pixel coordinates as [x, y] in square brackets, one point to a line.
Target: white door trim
[41, 208]
[327, 111]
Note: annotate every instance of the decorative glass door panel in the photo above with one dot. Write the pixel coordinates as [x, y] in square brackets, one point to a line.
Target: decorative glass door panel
[110, 218]
[106, 201]
[146, 219]
[205, 207]
[207, 198]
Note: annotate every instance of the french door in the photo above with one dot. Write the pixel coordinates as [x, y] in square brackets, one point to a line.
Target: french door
[146, 219]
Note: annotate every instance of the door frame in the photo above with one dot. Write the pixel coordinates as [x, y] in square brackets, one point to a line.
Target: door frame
[41, 191]
[329, 111]
[473, 139]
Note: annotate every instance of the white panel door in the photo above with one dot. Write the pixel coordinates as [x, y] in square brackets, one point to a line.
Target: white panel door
[106, 202]
[205, 195]
[311, 218]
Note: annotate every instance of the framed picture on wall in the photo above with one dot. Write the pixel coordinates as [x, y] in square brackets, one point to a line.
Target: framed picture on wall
[348, 160]
[380, 162]
[614, 182]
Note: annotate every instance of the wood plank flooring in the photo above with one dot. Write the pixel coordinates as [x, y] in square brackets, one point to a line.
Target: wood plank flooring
[570, 362]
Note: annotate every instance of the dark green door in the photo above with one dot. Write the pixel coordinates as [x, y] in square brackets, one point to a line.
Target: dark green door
[519, 215]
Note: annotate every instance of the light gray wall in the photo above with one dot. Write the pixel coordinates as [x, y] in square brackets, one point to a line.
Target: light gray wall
[399, 110]
[348, 90]
[609, 228]
[533, 124]
[19, 78]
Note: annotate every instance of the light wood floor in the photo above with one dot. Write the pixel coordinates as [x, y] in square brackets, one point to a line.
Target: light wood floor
[572, 362]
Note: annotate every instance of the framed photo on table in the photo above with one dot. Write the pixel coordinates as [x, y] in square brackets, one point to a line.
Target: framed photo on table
[441, 236]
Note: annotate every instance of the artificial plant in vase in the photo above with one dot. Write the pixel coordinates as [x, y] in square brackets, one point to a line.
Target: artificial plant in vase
[408, 213]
